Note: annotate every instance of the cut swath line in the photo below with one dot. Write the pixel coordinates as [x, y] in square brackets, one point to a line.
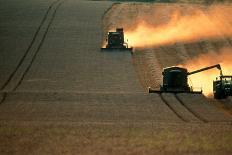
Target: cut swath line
[172, 109]
[30, 46]
[38, 49]
[190, 110]
[3, 98]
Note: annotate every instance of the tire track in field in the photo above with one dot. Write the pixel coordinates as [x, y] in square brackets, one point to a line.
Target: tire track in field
[190, 110]
[203, 108]
[12, 75]
[183, 113]
[39, 47]
[172, 109]
[3, 97]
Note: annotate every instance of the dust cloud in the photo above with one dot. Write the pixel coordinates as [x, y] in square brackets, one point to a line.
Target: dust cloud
[211, 23]
[149, 26]
[205, 79]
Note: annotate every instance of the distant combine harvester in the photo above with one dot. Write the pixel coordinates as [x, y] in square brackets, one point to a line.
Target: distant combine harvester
[115, 41]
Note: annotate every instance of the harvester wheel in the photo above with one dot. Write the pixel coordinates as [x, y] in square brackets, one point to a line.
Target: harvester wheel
[219, 95]
[216, 96]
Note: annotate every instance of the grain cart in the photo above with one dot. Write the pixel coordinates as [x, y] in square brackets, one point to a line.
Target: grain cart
[175, 80]
[222, 87]
[115, 41]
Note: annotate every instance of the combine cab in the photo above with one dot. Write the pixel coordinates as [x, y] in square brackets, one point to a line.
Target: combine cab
[175, 80]
[115, 41]
[222, 87]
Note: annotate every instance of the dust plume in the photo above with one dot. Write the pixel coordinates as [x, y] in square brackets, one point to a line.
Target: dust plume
[211, 23]
[205, 79]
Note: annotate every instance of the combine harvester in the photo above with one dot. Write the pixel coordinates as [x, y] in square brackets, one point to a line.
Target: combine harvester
[115, 41]
[175, 80]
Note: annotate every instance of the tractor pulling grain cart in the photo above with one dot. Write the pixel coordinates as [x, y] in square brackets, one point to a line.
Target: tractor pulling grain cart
[222, 87]
[115, 41]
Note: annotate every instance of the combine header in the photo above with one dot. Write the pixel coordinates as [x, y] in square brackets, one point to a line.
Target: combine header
[175, 80]
[115, 41]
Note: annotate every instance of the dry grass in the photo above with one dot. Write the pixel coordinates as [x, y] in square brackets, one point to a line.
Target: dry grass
[115, 139]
